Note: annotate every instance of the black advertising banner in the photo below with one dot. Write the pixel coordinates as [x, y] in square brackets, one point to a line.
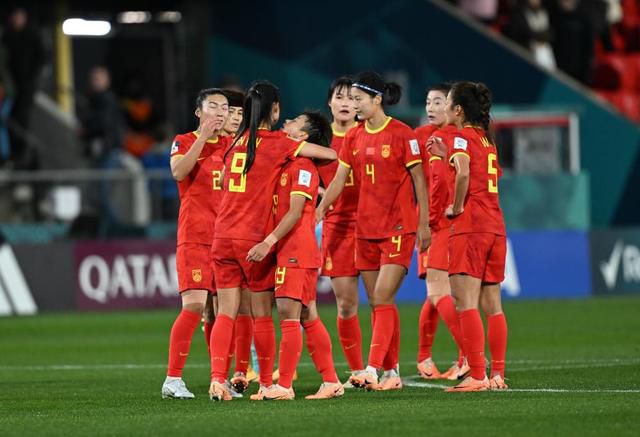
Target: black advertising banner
[615, 261]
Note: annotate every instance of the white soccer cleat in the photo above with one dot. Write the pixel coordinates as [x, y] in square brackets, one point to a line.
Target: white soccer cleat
[175, 388]
[232, 391]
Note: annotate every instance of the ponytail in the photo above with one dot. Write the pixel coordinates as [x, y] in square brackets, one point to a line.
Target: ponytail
[392, 93]
[256, 110]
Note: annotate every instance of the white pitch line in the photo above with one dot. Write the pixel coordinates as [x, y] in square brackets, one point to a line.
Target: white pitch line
[410, 383]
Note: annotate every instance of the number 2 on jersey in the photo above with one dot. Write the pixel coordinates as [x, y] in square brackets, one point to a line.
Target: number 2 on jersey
[237, 168]
[217, 180]
[493, 172]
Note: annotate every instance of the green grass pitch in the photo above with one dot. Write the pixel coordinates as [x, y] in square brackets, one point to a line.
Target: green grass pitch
[573, 365]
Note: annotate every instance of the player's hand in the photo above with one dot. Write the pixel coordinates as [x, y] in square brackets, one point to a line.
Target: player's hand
[437, 147]
[321, 210]
[258, 252]
[424, 238]
[450, 212]
[209, 126]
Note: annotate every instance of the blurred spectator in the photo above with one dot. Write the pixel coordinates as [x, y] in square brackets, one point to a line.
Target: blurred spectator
[483, 10]
[26, 58]
[7, 95]
[574, 39]
[530, 26]
[139, 113]
[102, 122]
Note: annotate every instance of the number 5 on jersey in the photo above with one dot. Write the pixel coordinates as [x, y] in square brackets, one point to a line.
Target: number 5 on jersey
[237, 168]
[493, 172]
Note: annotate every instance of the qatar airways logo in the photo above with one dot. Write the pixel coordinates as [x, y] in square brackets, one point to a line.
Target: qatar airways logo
[131, 276]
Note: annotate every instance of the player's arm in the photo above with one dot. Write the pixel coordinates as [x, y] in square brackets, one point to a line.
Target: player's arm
[333, 190]
[420, 187]
[288, 222]
[461, 186]
[322, 154]
[182, 165]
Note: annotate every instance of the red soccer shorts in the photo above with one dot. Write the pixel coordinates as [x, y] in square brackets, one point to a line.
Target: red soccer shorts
[481, 255]
[297, 284]
[233, 270]
[193, 267]
[338, 252]
[371, 254]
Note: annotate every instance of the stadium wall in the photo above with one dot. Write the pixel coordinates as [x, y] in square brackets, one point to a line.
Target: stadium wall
[138, 274]
[418, 43]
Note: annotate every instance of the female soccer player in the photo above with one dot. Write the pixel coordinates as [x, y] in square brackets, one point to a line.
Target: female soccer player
[339, 231]
[196, 158]
[252, 165]
[435, 262]
[385, 157]
[477, 241]
[298, 260]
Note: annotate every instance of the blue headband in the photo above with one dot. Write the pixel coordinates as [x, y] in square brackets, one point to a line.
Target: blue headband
[367, 88]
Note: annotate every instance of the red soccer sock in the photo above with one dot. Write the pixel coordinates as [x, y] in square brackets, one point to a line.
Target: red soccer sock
[447, 310]
[264, 339]
[232, 347]
[427, 327]
[180, 341]
[383, 329]
[208, 327]
[392, 358]
[473, 337]
[319, 347]
[223, 333]
[290, 350]
[497, 335]
[244, 337]
[351, 341]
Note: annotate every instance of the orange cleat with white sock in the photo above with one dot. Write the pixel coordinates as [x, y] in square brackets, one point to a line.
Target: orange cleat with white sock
[428, 370]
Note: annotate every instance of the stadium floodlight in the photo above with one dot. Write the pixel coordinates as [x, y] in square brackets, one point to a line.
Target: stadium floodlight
[82, 27]
[168, 17]
[134, 17]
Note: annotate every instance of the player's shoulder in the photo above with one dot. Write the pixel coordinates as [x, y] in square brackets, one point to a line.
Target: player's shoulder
[355, 130]
[303, 163]
[185, 138]
[398, 127]
[425, 130]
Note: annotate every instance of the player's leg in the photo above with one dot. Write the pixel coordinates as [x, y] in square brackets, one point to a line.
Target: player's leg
[243, 340]
[427, 327]
[182, 332]
[490, 302]
[319, 348]
[348, 322]
[289, 311]
[264, 337]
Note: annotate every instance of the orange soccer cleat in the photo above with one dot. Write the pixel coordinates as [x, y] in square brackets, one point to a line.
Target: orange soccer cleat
[456, 371]
[328, 390]
[259, 396]
[278, 393]
[367, 380]
[428, 370]
[497, 383]
[470, 384]
[219, 392]
[392, 382]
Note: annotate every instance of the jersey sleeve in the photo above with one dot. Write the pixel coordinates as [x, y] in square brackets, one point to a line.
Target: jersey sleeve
[179, 147]
[304, 179]
[411, 148]
[345, 158]
[459, 146]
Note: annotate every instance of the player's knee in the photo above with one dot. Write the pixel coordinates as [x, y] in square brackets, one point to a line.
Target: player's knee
[347, 307]
[194, 307]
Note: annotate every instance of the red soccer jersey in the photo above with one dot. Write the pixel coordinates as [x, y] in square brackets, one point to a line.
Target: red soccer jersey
[380, 160]
[299, 248]
[201, 191]
[482, 212]
[436, 172]
[245, 211]
[343, 215]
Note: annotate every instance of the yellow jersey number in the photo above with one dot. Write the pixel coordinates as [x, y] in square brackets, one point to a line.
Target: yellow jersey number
[217, 180]
[350, 182]
[492, 169]
[237, 168]
[370, 170]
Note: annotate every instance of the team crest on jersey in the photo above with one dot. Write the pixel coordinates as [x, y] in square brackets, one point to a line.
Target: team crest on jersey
[386, 150]
[283, 179]
[460, 143]
[196, 274]
[328, 264]
[174, 147]
[415, 147]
